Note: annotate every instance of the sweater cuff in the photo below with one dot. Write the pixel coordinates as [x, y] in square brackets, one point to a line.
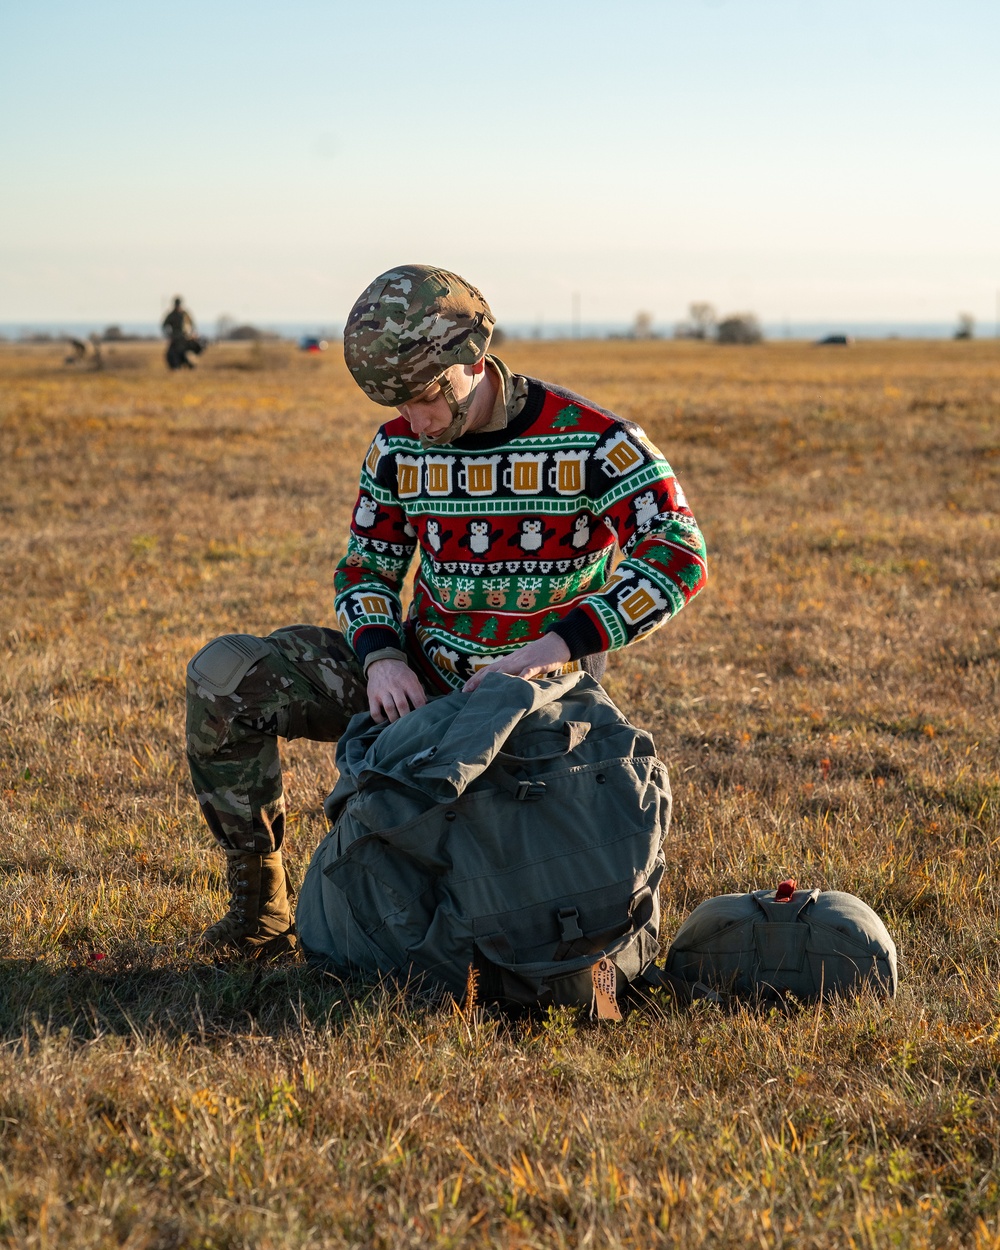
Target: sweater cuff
[386, 653]
[374, 638]
[579, 633]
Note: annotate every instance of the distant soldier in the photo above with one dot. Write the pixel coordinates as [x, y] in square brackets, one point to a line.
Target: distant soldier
[178, 325]
[513, 494]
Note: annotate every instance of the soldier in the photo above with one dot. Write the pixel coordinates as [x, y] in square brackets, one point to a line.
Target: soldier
[516, 493]
[178, 325]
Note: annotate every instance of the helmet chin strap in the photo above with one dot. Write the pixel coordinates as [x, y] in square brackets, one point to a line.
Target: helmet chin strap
[459, 415]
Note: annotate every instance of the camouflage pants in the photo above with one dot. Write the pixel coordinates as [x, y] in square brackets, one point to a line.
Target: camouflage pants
[243, 694]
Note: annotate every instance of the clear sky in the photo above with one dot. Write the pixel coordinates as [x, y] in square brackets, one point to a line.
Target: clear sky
[803, 159]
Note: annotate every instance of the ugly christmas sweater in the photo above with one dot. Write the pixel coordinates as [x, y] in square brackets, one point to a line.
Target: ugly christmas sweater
[515, 530]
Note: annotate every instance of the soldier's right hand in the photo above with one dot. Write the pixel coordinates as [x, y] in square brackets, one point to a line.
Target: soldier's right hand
[393, 690]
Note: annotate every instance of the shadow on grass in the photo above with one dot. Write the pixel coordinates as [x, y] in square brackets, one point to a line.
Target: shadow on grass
[219, 1002]
[206, 1000]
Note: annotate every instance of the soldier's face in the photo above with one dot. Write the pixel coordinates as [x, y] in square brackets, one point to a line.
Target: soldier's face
[428, 413]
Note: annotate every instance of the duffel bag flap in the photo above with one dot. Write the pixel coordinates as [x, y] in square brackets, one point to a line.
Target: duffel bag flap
[806, 943]
[453, 741]
[458, 737]
[459, 740]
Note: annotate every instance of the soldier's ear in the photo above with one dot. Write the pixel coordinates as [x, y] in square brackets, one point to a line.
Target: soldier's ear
[478, 367]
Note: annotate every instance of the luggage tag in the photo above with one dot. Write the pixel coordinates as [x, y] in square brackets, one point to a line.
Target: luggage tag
[605, 983]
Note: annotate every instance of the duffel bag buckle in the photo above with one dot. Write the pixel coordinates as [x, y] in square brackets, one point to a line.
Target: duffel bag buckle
[529, 791]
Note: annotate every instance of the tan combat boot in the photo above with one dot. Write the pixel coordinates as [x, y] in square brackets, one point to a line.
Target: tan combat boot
[259, 920]
[275, 921]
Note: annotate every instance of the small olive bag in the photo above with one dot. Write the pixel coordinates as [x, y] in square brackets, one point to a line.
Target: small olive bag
[775, 944]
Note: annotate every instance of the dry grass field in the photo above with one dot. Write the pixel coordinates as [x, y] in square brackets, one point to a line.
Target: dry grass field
[829, 708]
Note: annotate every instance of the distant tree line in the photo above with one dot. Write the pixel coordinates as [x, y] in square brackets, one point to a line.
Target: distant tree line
[704, 324]
[111, 334]
[228, 331]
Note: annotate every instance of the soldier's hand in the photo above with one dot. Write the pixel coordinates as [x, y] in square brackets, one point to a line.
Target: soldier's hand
[534, 659]
[393, 690]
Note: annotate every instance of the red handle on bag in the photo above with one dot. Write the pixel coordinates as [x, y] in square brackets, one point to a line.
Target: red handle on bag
[785, 890]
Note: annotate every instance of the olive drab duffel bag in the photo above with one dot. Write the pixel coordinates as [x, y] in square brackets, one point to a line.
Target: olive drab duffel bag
[517, 830]
[774, 944]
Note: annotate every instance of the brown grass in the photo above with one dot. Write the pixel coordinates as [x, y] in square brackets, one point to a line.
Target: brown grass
[829, 708]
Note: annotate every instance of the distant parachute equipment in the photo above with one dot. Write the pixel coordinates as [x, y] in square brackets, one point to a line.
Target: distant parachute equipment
[309, 343]
[179, 350]
[85, 352]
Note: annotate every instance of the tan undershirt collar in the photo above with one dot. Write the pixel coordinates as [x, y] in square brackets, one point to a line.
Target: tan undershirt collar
[512, 393]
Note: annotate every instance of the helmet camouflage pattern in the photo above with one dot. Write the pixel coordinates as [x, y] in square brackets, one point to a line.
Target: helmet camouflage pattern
[409, 326]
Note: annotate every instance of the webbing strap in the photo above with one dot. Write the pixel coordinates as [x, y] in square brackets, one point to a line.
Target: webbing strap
[784, 912]
[522, 790]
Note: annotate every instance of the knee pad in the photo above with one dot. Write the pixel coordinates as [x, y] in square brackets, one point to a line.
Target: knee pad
[221, 665]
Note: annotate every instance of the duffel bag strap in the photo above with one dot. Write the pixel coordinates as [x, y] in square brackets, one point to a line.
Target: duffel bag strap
[787, 903]
[522, 789]
[573, 731]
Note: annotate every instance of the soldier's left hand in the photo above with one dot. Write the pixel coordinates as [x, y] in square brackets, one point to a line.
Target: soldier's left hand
[534, 659]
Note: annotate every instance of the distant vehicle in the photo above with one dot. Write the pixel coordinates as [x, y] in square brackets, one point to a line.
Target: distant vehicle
[310, 344]
[836, 340]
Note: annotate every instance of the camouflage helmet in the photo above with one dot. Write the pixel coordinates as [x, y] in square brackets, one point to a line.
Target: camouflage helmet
[409, 326]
